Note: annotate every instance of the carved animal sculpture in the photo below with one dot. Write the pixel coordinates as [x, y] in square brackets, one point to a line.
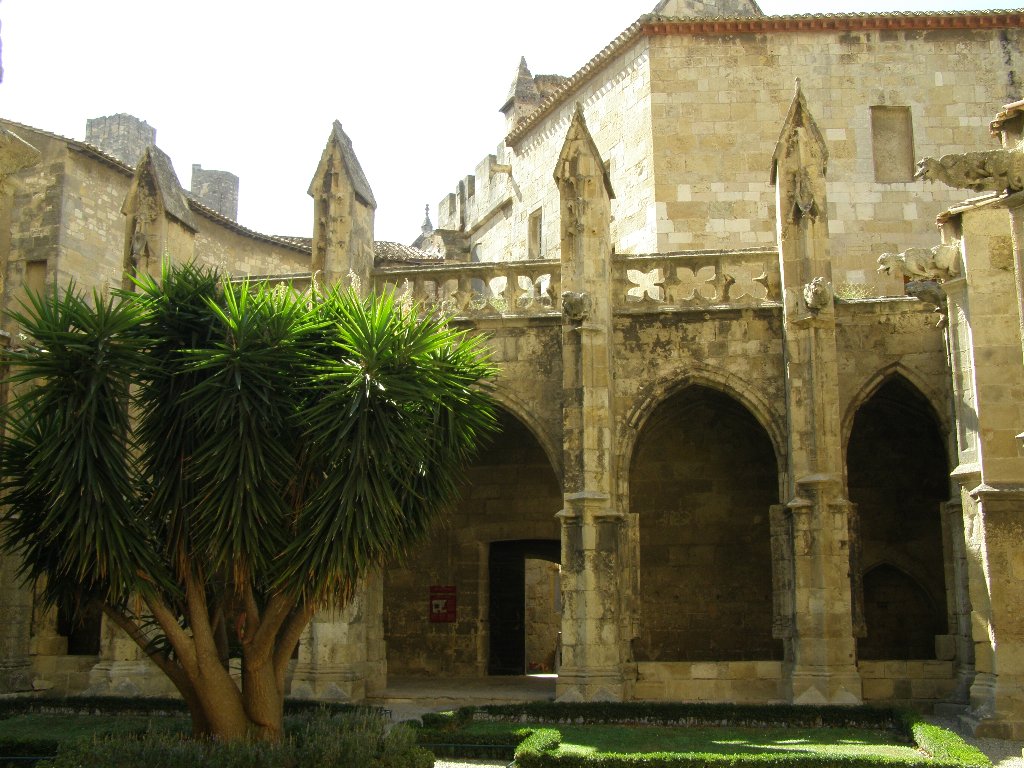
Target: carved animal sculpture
[930, 292]
[817, 294]
[996, 170]
[940, 262]
[576, 305]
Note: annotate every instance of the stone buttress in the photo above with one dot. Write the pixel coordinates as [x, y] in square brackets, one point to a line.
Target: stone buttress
[160, 224]
[592, 524]
[985, 346]
[814, 605]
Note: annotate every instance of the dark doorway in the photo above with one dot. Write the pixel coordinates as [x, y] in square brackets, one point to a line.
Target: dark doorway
[507, 576]
[898, 476]
[702, 480]
[82, 627]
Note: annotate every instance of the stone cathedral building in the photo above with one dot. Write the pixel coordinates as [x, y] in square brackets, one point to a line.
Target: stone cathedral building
[762, 386]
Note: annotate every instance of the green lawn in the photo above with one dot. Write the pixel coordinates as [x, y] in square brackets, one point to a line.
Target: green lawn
[737, 741]
[631, 739]
[38, 729]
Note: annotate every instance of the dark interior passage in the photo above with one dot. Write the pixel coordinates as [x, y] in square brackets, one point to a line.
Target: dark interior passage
[898, 474]
[507, 605]
[702, 480]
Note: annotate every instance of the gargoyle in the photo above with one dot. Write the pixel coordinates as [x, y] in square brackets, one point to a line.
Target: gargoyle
[817, 294]
[930, 292]
[576, 305]
[996, 170]
[940, 262]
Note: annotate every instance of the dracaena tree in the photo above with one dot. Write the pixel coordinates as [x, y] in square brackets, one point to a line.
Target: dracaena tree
[212, 462]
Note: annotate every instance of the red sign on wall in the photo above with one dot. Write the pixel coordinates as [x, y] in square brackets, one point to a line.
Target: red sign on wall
[442, 604]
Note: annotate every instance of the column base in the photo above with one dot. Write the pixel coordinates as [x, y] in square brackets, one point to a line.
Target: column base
[332, 682]
[993, 727]
[589, 685]
[826, 686]
[138, 677]
[15, 677]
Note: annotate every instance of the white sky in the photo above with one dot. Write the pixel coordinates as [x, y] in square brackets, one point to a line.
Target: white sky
[252, 87]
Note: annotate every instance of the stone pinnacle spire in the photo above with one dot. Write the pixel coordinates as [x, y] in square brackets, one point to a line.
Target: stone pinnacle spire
[427, 228]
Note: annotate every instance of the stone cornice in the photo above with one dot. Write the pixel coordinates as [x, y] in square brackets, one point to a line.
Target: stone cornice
[859, 22]
[654, 26]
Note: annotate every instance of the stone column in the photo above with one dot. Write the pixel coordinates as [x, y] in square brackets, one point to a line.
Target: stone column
[821, 649]
[15, 596]
[341, 656]
[985, 356]
[592, 525]
[957, 645]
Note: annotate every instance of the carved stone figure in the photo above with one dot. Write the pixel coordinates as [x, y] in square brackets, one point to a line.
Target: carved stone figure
[576, 305]
[940, 262]
[930, 292]
[996, 170]
[817, 294]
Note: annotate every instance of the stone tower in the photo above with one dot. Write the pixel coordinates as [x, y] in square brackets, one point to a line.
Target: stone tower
[216, 189]
[123, 136]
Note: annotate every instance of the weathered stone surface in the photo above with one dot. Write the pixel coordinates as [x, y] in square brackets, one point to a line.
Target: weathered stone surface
[720, 478]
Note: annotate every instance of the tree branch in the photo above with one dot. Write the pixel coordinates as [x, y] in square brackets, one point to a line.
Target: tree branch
[170, 668]
[199, 618]
[288, 638]
[176, 636]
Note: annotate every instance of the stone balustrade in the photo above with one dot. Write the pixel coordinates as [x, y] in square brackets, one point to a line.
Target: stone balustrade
[693, 279]
[477, 290]
[748, 277]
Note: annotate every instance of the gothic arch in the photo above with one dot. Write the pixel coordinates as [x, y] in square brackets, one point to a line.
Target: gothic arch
[703, 477]
[511, 492]
[877, 380]
[901, 616]
[550, 443]
[648, 400]
[897, 469]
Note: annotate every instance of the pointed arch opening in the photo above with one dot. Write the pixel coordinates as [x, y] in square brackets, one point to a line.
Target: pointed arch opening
[898, 476]
[506, 514]
[702, 479]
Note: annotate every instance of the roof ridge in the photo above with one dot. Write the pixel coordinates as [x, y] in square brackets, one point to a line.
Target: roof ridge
[731, 25]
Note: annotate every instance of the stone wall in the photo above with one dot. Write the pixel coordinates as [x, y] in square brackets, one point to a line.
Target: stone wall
[35, 222]
[617, 105]
[237, 254]
[740, 682]
[511, 494]
[720, 99]
[92, 245]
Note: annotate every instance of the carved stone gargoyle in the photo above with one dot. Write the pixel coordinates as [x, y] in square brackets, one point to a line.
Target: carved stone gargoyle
[576, 305]
[996, 170]
[817, 294]
[940, 262]
[930, 292]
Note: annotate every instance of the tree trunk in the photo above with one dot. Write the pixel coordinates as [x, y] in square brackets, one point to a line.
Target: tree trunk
[264, 700]
[221, 701]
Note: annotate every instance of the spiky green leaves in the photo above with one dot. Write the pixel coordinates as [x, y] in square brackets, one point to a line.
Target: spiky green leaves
[235, 433]
[68, 460]
[394, 412]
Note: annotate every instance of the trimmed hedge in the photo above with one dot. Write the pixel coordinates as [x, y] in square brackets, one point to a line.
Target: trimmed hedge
[943, 745]
[657, 713]
[126, 705]
[349, 739]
